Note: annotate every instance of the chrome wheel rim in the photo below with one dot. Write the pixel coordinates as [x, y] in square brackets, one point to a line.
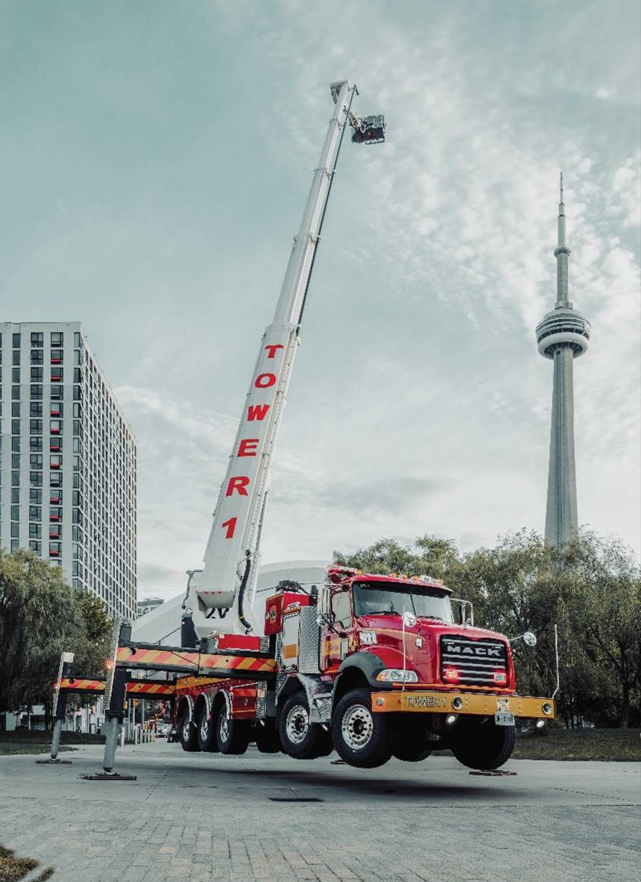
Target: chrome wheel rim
[224, 724]
[357, 727]
[204, 727]
[186, 731]
[297, 724]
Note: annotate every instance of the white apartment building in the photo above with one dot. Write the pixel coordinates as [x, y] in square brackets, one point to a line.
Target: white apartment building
[67, 461]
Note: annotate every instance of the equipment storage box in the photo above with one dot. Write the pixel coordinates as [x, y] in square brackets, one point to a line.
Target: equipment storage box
[276, 605]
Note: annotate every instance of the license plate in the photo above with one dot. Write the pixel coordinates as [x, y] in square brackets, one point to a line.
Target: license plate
[502, 718]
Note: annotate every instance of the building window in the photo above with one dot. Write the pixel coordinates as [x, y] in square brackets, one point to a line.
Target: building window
[37, 356]
[15, 409]
[35, 479]
[36, 374]
[55, 462]
[35, 513]
[15, 479]
[77, 412]
[35, 443]
[37, 338]
[57, 356]
[15, 530]
[35, 546]
[55, 479]
[15, 357]
[77, 375]
[56, 409]
[15, 393]
[35, 427]
[35, 409]
[55, 514]
[77, 393]
[55, 531]
[15, 375]
[56, 374]
[15, 460]
[55, 427]
[55, 444]
[15, 512]
[15, 427]
[57, 338]
[36, 393]
[55, 549]
[16, 341]
[35, 497]
[15, 495]
[55, 496]
[35, 460]
[57, 393]
[15, 545]
[77, 339]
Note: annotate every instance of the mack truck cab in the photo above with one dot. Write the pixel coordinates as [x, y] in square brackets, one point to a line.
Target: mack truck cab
[374, 666]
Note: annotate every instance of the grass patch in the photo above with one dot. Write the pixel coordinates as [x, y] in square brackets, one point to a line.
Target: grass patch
[13, 869]
[25, 741]
[612, 745]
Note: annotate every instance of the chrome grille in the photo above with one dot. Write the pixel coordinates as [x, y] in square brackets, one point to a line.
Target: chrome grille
[476, 661]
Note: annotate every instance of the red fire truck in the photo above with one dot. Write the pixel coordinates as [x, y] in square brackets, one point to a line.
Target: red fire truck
[374, 666]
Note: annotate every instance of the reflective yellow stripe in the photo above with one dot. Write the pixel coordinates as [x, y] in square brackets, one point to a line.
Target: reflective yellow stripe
[443, 702]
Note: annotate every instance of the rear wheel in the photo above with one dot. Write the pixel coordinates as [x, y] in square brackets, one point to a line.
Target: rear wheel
[301, 738]
[232, 736]
[362, 738]
[480, 744]
[412, 745]
[187, 734]
[206, 731]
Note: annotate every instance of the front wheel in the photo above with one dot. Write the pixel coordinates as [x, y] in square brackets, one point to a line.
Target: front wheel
[412, 745]
[481, 744]
[361, 737]
[301, 739]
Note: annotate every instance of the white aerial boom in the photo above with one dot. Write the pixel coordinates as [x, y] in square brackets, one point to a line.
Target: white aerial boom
[232, 553]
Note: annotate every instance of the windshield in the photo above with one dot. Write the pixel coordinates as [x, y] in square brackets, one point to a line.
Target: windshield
[385, 598]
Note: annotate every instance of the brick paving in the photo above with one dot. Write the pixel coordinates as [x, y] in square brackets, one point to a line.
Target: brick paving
[202, 817]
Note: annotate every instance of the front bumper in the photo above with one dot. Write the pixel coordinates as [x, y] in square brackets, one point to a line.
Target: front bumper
[461, 703]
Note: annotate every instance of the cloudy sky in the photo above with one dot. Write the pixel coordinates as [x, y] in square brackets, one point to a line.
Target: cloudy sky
[154, 162]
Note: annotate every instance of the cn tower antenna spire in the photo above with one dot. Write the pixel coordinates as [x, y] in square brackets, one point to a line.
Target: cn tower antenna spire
[562, 252]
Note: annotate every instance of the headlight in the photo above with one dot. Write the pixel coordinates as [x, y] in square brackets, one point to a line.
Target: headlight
[397, 675]
[547, 708]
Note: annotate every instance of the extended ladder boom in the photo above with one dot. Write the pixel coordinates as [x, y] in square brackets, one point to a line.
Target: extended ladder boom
[231, 556]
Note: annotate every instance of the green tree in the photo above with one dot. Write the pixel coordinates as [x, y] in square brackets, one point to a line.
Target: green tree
[40, 617]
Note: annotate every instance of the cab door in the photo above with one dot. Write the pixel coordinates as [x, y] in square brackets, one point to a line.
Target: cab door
[337, 640]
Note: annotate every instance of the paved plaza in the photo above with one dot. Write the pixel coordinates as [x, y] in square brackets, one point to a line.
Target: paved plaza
[257, 818]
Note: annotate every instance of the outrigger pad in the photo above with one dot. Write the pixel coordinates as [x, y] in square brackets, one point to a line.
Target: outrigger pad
[106, 776]
[493, 773]
[53, 762]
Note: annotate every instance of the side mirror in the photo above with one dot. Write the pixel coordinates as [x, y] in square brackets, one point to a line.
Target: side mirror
[529, 638]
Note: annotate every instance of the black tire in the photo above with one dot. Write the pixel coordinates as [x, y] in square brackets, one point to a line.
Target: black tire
[187, 734]
[206, 731]
[412, 745]
[300, 738]
[480, 744]
[232, 736]
[267, 738]
[362, 738]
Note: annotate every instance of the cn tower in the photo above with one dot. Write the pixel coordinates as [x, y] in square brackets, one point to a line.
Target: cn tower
[562, 335]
